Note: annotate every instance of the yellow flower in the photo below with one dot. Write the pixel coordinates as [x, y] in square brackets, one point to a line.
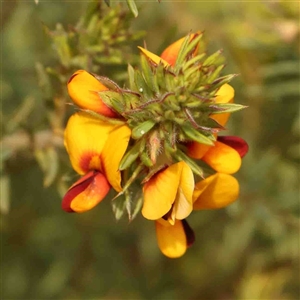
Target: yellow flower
[169, 193]
[215, 191]
[83, 88]
[173, 240]
[95, 145]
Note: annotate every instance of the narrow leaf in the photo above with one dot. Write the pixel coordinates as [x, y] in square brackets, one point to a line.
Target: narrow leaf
[194, 135]
[132, 6]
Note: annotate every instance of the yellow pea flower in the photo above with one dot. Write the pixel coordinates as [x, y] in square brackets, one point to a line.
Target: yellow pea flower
[95, 145]
[169, 193]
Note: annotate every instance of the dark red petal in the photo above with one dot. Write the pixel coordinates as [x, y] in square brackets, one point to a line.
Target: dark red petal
[236, 143]
[79, 186]
[189, 233]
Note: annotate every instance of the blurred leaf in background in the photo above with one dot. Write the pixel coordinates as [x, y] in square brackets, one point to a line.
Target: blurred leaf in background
[248, 251]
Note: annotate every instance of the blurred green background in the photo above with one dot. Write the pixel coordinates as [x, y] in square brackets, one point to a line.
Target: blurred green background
[249, 250]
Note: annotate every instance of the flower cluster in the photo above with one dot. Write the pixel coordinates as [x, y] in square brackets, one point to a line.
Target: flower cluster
[156, 144]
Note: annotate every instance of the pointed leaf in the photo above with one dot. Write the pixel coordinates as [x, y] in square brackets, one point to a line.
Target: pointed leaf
[195, 135]
[140, 130]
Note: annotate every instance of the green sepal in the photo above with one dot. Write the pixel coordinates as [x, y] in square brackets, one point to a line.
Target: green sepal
[185, 49]
[141, 85]
[194, 135]
[102, 118]
[110, 84]
[140, 130]
[213, 59]
[215, 73]
[221, 108]
[130, 156]
[131, 71]
[146, 160]
[195, 60]
[113, 99]
[148, 74]
[180, 156]
[222, 80]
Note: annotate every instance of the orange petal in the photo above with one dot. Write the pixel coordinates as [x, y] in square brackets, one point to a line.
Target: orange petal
[113, 151]
[83, 88]
[183, 205]
[197, 150]
[156, 59]
[171, 239]
[86, 193]
[224, 95]
[223, 158]
[171, 52]
[160, 192]
[216, 191]
[85, 138]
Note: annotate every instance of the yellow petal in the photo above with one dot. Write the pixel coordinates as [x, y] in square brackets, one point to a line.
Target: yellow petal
[156, 59]
[223, 158]
[85, 137]
[160, 192]
[216, 191]
[183, 205]
[83, 88]
[112, 153]
[224, 95]
[171, 52]
[93, 194]
[171, 239]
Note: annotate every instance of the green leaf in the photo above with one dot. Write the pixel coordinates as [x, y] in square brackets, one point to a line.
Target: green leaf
[119, 206]
[141, 129]
[131, 71]
[132, 6]
[148, 74]
[212, 59]
[49, 163]
[113, 99]
[141, 85]
[107, 2]
[180, 156]
[194, 135]
[146, 159]
[186, 47]
[221, 108]
[130, 156]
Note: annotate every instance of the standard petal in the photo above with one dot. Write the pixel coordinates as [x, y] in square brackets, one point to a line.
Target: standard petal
[85, 137]
[113, 151]
[223, 158]
[83, 88]
[183, 205]
[160, 192]
[236, 143]
[171, 52]
[155, 58]
[171, 239]
[224, 95]
[86, 193]
[216, 191]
